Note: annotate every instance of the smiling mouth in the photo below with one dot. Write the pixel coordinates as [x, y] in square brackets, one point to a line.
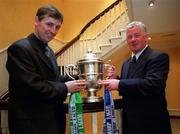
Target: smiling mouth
[50, 36]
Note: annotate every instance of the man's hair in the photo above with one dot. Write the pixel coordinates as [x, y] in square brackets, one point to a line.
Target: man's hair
[137, 24]
[49, 11]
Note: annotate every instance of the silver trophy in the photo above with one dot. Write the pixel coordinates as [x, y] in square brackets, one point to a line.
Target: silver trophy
[91, 69]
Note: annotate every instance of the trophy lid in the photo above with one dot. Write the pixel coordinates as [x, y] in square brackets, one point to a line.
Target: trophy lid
[90, 56]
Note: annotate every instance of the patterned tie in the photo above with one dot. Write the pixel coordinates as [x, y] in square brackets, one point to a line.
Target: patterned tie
[47, 52]
[51, 57]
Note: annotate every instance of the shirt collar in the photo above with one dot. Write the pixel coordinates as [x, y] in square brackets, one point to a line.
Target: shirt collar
[40, 43]
[139, 53]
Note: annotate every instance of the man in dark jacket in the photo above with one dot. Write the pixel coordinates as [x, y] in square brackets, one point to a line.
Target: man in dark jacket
[142, 85]
[36, 90]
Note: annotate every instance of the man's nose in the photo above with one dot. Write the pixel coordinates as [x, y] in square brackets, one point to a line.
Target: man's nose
[54, 30]
[133, 37]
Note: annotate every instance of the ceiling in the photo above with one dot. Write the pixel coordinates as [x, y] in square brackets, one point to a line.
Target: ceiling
[162, 20]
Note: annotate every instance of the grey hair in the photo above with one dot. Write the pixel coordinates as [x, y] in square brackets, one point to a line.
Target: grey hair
[137, 24]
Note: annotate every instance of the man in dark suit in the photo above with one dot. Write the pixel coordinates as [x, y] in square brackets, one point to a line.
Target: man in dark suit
[142, 85]
[36, 90]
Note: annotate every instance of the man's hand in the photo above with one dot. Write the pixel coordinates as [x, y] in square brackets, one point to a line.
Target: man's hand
[111, 84]
[75, 85]
[110, 71]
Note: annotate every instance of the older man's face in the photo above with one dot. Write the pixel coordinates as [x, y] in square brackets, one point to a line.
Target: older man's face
[136, 39]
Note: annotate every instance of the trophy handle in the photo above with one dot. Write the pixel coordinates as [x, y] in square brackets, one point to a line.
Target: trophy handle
[67, 70]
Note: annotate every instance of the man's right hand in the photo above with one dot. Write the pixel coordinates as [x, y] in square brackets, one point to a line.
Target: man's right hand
[76, 85]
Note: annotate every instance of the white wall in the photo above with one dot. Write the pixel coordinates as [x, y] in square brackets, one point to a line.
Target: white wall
[3, 72]
[163, 17]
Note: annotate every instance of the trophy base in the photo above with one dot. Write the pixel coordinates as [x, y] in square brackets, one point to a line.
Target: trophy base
[92, 99]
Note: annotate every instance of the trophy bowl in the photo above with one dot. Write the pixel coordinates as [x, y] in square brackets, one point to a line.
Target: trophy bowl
[90, 68]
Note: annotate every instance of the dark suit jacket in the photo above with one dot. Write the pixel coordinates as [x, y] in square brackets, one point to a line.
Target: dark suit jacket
[36, 90]
[143, 91]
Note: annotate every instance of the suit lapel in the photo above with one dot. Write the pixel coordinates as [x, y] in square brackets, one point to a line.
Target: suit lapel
[126, 68]
[53, 62]
[134, 68]
[138, 63]
[39, 52]
[52, 66]
[45, 59]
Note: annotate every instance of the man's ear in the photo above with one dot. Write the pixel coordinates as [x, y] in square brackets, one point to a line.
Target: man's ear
[36, 21]
[147, 36]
